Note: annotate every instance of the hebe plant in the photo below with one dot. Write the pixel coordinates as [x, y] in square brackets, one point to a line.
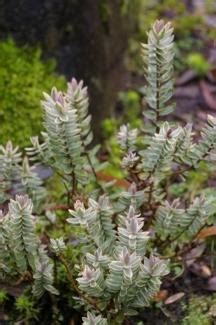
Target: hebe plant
[131, 236]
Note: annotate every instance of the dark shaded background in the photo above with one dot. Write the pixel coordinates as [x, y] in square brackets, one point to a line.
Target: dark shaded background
[88, 38]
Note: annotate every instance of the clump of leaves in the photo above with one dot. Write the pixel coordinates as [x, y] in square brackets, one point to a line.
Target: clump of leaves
[25, 307]
[130, 238]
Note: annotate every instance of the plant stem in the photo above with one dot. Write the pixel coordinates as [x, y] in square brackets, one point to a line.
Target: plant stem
[91, 165]
[157, 98]
[93, 170]
[74, 286]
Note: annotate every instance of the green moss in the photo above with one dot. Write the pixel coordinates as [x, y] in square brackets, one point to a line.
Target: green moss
[131, 102]
[23, 77]
[200, 311]
[198, 63]
[25, 307]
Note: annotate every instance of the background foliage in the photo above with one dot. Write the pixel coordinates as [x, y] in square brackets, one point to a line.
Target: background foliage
[23, 77]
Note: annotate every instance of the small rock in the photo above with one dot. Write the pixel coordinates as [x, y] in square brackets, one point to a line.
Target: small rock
[201, 270]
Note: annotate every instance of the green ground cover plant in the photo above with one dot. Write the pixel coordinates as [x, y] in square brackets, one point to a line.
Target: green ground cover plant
[23, 76]
[201, 310]
[98, 248]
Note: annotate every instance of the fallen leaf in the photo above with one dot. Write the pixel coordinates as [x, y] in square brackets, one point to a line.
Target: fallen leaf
[108, 178]
[206, 232]
[174, 298]
[194, 254]
[161, 295]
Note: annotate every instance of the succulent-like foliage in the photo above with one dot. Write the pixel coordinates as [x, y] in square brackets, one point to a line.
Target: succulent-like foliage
[10, 158]
[24, 241]
[67, 136]
[148, 281]
[97, 220]
[57, 245]
[127, 137]
[122, 232]
[131, 235]
[158, 56]
[131, 196]
[98, 259]
[18, 177]
[78, 98]
[21, 249]
[206, 146]
[5, 254]
[67, 125]
[43, 274]
[172, 221]
[91, 281]
[63, 131]
[32, 183]
[185, 145]
[117, 271]
[94, 320]
[158, 156]
[122, 272]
